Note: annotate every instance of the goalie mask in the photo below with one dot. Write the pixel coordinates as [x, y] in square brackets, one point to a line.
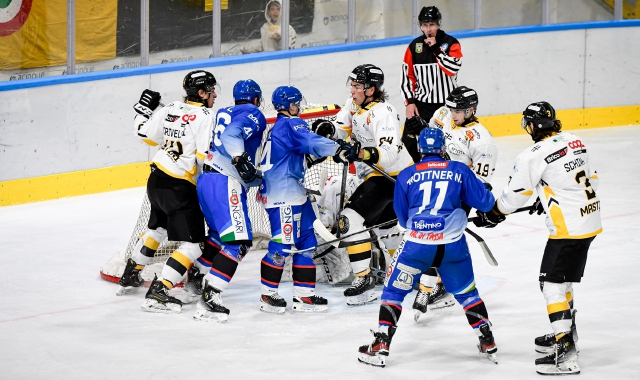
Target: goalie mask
[431, 141]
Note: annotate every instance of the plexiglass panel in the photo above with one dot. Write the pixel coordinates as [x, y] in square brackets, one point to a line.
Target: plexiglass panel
[456, 14]
[579, 11]
[328, 24]
[379, 19]
[179, 31]
[497, 14]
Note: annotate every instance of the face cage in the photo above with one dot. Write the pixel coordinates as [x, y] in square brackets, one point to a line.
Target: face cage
[216, 88]
[350, 80]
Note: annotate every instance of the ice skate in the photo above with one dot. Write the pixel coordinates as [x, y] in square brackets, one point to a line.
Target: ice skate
[210, 307]
[131, 279]
[487, 345]
[562, 361]
[158, 299]
[439, 298]
[375, 354]
[545, 344]
[420, 304]
[361, 291]
[194, 285]
[272, 303]
[312, 304]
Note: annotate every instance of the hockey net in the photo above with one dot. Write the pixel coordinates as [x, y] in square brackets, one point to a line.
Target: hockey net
[113, 269]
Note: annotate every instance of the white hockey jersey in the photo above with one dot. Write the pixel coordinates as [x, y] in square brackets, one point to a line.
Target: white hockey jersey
[377, 125]
[471, 144]
[329, 200]
[558, 168]
[182, 131]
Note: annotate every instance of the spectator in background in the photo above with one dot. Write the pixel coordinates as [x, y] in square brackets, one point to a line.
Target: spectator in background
[270, 33]
[429, 70]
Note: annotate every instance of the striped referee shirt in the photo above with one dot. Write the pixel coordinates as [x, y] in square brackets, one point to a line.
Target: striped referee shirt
[429, 72]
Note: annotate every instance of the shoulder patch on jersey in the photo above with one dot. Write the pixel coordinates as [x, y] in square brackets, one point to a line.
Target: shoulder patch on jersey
[419, 47]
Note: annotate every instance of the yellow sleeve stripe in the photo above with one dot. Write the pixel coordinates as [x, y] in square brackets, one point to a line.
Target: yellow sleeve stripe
[150, 142]
[527, 193]
[569, 296]
[557, 307]
[200, 156]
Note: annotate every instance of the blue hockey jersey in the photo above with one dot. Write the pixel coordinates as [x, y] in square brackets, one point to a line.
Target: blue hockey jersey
[238, 129]
[428, 198]
[282, 161]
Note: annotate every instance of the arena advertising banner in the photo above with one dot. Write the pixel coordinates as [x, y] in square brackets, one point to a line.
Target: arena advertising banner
[33, 33]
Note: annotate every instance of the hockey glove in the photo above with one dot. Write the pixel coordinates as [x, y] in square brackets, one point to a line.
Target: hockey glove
[414, 125]
[488, 186]
[245, 167]
[537, 207]
[488, 219]
[346, 153]
[313, 160]
[149, 101]
[323, 128]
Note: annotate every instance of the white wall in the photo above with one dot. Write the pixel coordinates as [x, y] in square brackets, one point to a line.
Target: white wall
[79, 126]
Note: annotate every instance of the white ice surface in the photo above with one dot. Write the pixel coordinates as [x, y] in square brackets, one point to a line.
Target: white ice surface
[60, 320]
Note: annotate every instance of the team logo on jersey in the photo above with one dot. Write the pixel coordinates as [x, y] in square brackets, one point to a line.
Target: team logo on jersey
[419, 47]
[469, 135]
[13, 14]
[343, 224]
[432, 165]
[233, 199]
[404, 280]
[444, 47]
[171, 118]
[556, 155]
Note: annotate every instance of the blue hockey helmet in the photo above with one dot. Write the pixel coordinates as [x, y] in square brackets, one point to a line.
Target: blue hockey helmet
[283, 96]
[248, 90]
[431, 141]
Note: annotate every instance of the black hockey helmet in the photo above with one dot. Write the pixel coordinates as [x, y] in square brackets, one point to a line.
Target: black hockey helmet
[462, 98]
[430, 14]
[367, 74]
[541, 114]
[199, 80]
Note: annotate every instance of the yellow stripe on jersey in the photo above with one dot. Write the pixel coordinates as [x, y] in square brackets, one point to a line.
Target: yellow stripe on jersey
[557, 307]
[200, 156]
[187, 175]
[548, 192]
[359, 248]
[591, 234]
[150, 142]
[527, 193]
[151, 243]
[558, 220]
[569, 297]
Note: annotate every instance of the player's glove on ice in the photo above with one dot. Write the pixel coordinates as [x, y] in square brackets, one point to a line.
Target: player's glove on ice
[414, 125]
[323, 128]
[245, 167]
[536, 207]
[149, 101]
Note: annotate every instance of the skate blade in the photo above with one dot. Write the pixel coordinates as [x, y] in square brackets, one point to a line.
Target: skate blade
[124, 290]
[417, 314]
[304, 308]
[271, 309]
[207, 316]
[154, 306]
[547, 350]
[191, 298]
[492, 357]
[376, 360]
[445, 302]
[569, 367]
[362, 299]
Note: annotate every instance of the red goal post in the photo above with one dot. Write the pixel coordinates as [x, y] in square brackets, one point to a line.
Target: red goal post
[113, 269]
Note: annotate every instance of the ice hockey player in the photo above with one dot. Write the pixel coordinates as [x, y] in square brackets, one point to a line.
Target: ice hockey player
[373, 124]
[181, 129]
[428, 202]
[283, 196]
[469, 142]
[229, 171]
[559, 169]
